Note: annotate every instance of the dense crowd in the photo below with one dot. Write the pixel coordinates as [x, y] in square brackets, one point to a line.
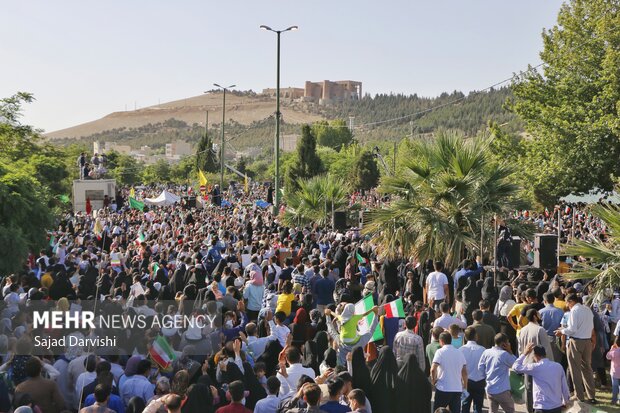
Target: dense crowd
[291, 331]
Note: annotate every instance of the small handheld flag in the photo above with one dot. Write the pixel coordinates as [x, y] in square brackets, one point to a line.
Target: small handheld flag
[364, 325]
[394, 309]
[162, 353]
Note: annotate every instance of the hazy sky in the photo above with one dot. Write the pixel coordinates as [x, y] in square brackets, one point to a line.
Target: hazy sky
[85, 59]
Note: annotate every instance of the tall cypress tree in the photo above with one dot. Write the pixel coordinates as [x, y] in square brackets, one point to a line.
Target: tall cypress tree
[307, 163]
[366, 171]
[205, 157]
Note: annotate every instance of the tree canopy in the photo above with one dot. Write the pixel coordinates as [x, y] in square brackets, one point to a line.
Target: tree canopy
[572, 108]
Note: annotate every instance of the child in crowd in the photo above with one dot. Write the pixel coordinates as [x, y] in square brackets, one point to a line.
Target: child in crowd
[614, 356]
[260, 372]
[457, 335]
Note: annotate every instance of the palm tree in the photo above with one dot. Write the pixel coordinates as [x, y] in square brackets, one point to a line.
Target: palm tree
[440, 194]
[600, 259]
[315, 199]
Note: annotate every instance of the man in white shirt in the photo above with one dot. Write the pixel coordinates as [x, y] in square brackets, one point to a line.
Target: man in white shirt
[475, 377]
[278, 329]
[289, 376]
[579, 333]
[446, 320]
[255, 345]
[448, 375]
[436, 289]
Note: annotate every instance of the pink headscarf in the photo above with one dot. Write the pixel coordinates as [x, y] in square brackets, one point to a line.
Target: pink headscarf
[256, 278]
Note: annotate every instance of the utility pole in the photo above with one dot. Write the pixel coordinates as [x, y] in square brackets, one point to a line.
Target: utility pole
[222, 152]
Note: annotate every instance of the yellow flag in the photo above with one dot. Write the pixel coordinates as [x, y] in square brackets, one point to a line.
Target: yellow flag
[247, 185]
[202, 179]
[132, 192]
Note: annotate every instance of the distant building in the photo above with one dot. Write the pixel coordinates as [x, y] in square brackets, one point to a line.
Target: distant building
[328, 91]
[178, 149]
[108, 147]
[321, 92]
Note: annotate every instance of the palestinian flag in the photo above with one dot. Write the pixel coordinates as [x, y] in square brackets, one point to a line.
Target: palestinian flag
[364, 325]
[162, 353]
[394, 309]
[135, 204]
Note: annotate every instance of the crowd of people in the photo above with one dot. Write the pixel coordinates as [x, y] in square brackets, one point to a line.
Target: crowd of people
[288, 333]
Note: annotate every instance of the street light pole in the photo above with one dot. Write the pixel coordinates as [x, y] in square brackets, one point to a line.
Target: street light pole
[222, 153]
[278, 114]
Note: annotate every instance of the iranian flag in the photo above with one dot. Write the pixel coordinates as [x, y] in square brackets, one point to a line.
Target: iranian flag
[140, 238]
[364, 324]
[162, 353]
[394, 309]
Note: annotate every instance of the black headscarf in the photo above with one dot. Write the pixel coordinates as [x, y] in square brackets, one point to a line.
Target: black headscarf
[471, 297]
[489, 292]
[322, 344]
[270, 357]
[311, 358]
[199, 397]
[360, 372]
[417, 398]
[257, 391]
[386, 384]
[330, 357]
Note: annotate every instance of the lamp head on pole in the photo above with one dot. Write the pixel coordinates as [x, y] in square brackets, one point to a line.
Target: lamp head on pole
[266, 28]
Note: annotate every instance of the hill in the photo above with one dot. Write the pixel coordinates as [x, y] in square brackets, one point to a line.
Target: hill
[244, 108]
[250, 124]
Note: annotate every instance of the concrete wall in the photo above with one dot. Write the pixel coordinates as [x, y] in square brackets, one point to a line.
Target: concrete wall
[94, 189]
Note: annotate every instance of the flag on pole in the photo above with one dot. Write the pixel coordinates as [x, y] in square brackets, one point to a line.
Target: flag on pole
[98, 228]
[364, 325]
[247, 184]
[135, 204]
[394, 309]
[546, 212]
[202, 179]
[361, 259]
[132, 192]
[567, 210]
[52, 240]
[162, 353]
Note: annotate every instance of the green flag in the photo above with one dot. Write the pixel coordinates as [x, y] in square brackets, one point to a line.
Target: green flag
[65, 199]
[135, 204]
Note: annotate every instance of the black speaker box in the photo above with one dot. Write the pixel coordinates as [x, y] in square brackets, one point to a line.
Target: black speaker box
[340, 220]
[545, 251]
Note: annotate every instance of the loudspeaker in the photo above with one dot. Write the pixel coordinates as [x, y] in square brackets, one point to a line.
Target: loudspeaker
[514, 258]
[545, 251]
[340, 220]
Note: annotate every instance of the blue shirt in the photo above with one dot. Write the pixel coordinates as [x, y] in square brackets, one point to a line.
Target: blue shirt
[550, 389]
[115, 403]
[324, 291]
[267, 405]
[495, 363]
[473, 352]
[334, 407]
[138, 386]
[551, 317]
[254, 295]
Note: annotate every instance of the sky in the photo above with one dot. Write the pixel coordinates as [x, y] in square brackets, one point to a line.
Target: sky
[85, 59]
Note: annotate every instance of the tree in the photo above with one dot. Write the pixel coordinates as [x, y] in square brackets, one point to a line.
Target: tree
[366, 171]
[439, 197]
[602, 258]
[307, 163]
[183, 170]
[241, 164]
[571, 109]
[314, 199]
[334, 134]
[206, 160]
[25, 212]
[159, 172]
[125, 169]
